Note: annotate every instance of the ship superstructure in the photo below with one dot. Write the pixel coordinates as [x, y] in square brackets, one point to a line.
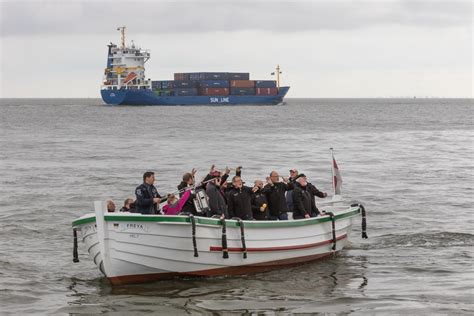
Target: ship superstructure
[126, 66]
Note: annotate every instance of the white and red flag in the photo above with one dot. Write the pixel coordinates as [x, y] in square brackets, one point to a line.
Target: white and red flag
[336, 176]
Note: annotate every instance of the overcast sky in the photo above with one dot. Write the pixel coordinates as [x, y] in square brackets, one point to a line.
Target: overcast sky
[325, 48]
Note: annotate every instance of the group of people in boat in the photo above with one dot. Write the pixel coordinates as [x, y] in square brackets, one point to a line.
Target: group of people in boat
[214, 196]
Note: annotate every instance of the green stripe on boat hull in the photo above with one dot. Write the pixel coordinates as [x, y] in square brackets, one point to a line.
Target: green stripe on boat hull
[212, 221]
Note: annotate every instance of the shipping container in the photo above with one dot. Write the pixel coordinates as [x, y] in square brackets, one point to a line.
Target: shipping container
[239, 76]
[242, 91]
[195, 76]
[185, 84]
[266, 91]
[185, 91]
[181, 76]
[156, 85]
[214, 76]
[164, 93]
[162, 84]
[265, 84]
[214, 91]
[242, 84]
[214, 84]
[167, 84]
[205, 76]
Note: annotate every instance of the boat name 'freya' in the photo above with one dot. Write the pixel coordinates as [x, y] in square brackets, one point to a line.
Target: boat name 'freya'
[131, 226]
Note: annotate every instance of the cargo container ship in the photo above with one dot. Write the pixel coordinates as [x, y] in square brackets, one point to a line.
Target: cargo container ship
[125, 83]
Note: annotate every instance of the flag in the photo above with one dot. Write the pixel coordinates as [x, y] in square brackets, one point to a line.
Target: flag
[129, 77]
[337, 179]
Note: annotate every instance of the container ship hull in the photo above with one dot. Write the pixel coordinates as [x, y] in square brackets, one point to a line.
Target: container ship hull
[148, 97]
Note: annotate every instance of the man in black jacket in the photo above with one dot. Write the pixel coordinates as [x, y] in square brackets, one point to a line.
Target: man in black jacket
[217, 203]
[148, 198]
[275, 193]
[240, 200]
[304, 205]
[259, 202]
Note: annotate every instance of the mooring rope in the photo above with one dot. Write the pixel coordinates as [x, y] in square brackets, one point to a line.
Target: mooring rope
[225, 251]
[242, 235]
[333, 224]
[364, 220]
[75, 256]
[193, 232]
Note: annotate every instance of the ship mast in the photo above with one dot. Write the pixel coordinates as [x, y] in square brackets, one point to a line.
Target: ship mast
[122, 31]
[277, 73]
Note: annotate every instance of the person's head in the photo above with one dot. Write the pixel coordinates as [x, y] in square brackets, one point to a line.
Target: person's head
[110, 206]
[188, 178]
[127, 203]
[237, 182]
[225, 185]
[259, 184]
[149, 177]
[302, 180]
[171, 198]
[216, 176]
[275, 177]
[293, 173]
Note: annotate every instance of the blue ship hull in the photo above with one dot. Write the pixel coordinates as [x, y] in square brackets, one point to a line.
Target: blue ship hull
[148, 97]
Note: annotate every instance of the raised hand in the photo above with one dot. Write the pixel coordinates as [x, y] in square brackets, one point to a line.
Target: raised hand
[269, 180]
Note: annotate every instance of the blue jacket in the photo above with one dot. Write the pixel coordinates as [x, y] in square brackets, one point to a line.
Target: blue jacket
[145, 194]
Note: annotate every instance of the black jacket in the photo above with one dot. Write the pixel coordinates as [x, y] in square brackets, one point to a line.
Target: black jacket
[188, 207]
[258, 199]
[130, 210]
[145, 194]
[303, 202]
[276, 197]
[314, 191]
[240, 203]
[216, 200]
[289, 195]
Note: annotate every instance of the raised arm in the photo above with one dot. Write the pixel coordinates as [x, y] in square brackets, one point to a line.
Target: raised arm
[313, 190]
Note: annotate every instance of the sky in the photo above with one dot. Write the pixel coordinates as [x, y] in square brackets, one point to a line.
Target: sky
[325, 48]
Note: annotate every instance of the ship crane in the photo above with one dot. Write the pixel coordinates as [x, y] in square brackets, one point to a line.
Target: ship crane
[122, 31]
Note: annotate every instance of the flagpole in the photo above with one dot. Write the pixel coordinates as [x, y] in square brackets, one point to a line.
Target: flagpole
[332, 171]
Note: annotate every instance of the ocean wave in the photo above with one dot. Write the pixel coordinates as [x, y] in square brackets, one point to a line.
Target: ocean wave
[426, 240]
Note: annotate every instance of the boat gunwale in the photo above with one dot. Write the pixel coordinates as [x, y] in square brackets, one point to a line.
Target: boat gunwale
[179, 219]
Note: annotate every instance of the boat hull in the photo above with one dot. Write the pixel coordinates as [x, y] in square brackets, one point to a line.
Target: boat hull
[148, 97]
[142, 248]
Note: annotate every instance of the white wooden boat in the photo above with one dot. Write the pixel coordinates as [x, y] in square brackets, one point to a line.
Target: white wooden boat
[135, 248]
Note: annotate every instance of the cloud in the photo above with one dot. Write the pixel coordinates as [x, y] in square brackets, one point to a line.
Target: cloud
[30, 18]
